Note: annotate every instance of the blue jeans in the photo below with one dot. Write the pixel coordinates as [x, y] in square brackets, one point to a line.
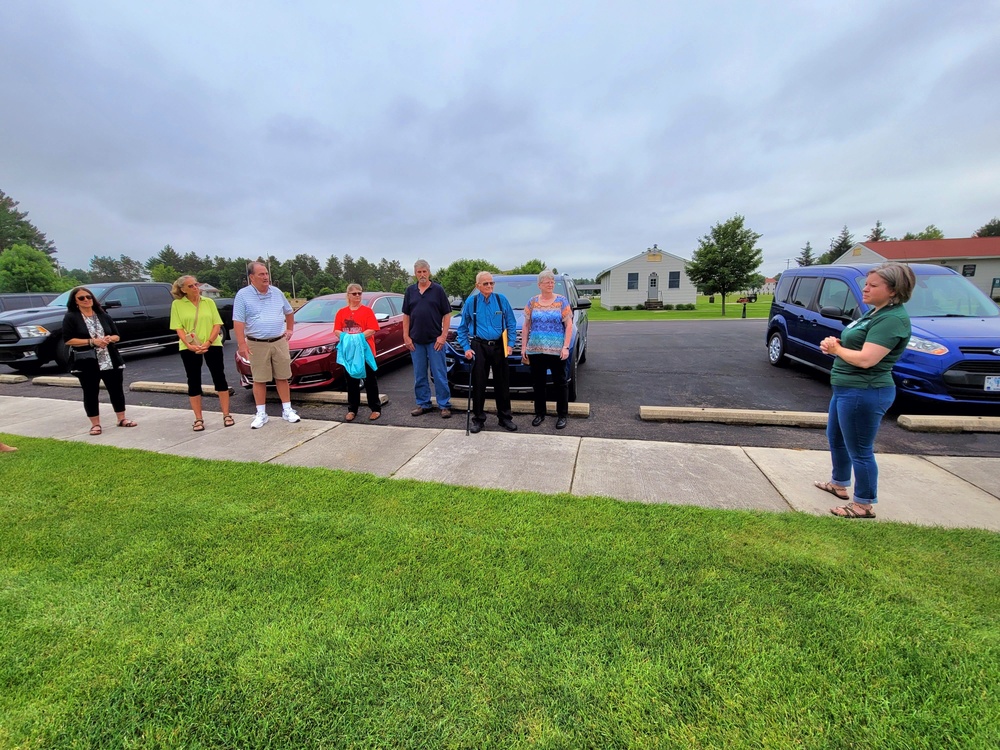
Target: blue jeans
[422, 356]
[852, 424]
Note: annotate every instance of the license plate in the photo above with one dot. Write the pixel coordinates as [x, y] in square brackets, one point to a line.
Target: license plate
[992, 383]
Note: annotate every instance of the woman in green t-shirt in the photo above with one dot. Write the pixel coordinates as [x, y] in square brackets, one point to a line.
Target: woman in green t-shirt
[863, 389]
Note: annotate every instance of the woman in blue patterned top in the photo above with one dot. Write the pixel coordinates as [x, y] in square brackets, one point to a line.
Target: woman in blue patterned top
[545, 340]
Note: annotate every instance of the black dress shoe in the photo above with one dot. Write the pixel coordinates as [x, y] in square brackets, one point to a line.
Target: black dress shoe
[537, 420]
[509, 426]
[561, 423]
[475, 426]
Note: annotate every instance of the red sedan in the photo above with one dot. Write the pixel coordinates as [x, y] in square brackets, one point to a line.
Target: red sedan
[314, 355]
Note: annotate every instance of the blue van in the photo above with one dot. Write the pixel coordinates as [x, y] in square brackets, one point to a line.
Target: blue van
[953, 355]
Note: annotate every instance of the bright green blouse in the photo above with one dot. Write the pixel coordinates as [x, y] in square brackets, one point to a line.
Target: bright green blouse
[182, 316]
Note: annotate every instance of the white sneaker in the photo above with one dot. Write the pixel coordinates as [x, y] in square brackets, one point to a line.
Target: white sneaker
[289, 415]
[259, 421]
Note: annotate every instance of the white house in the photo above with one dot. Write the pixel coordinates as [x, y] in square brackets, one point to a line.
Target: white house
[976, 258]
[652, 278]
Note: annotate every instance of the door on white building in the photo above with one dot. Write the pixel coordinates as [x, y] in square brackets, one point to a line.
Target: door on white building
[654, 292]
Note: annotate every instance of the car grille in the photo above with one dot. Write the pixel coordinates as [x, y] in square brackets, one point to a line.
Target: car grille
[8, 334]
[977, 349]
[966, 380]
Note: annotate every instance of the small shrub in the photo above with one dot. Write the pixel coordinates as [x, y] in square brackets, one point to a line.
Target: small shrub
[626, 307]
[668, 307]
[617, 308]
[640, 306]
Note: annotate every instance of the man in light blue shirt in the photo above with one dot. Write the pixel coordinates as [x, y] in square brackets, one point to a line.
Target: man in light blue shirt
[262, 325]
[485, 317]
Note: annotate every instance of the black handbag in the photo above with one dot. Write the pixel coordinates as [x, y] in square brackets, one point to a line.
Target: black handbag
[77, 358]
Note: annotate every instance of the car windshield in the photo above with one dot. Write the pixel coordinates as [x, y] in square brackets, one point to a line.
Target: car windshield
[519, 291]
[949, 295]
[319, 310]
[63, 298]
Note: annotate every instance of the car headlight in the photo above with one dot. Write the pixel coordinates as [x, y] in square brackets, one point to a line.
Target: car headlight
[926, 346]
[315, 350]
[30, 332]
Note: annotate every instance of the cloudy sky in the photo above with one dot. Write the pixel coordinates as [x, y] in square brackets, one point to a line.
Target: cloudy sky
[580, 133]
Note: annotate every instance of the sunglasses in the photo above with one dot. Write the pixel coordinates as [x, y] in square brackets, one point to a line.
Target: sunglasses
[487, 283]
[81, 298]
[355, 294]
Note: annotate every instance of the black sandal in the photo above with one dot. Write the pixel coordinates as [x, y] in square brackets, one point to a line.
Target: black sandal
[96, 430]
[227, 420]
[199, 425]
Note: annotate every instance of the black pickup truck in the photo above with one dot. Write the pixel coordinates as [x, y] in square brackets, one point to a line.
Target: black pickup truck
[141, 311]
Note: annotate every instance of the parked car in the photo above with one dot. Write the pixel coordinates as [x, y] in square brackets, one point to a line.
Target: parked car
[24, 300]
[518, 290]
[953, 354]
[141, 310]
[314, 355]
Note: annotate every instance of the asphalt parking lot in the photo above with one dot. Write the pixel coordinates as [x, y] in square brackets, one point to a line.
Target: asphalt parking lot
[710, 363]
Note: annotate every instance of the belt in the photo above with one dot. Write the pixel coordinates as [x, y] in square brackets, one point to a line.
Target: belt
[489, 342]
[265, 341]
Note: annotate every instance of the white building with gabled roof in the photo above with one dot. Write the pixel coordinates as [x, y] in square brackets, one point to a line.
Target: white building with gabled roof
[653, 279]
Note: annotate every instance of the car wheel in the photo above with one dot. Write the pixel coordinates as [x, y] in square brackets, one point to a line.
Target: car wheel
[572, 380]
[776, 349]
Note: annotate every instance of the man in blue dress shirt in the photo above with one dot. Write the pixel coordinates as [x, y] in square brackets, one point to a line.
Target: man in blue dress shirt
[485, 316]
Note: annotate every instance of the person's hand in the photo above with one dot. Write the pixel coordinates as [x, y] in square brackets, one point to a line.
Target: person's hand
[439, 342]
[564, 354]
[469, 354]
[287, 334]
[829, 345]
[524, 357]
[336, 336]
[244, 352]
[408, 343]
[101, 342]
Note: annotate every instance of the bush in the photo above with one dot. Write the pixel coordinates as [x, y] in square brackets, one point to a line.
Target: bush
[668, 307]
[617, 308]
[640, 306]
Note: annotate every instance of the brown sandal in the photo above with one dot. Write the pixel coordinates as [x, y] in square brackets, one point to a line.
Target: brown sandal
[96, 430]
[852, 510]
[227, 420]
[123, 422]
[199, 425]
[833, 489]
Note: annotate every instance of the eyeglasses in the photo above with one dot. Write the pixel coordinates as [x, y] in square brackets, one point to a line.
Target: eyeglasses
[355, 294]
[487, 283]
[82, 297]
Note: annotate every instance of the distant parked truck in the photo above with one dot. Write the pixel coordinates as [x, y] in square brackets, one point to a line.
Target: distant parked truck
[31, 338]
[23, 300]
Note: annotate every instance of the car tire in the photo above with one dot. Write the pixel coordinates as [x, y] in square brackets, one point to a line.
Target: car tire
[571, 388]
[776, 349]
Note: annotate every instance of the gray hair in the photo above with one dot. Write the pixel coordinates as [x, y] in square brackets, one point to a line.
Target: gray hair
[481, 275]
[546, 274]
[177, 290]
[421, 264]
[899, 278]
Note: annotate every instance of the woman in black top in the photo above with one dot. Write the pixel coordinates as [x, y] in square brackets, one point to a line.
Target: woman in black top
[93, 337]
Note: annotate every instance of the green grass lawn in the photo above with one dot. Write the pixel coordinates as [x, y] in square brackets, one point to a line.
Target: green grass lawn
[154, 601]
[705, 310]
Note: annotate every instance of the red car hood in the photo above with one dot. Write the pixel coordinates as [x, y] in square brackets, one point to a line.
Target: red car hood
[306, 335]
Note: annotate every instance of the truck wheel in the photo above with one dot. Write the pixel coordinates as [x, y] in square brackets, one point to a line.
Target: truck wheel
[776, 349]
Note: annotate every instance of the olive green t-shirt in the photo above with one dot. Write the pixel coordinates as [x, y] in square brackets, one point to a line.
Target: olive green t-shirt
[888, 327]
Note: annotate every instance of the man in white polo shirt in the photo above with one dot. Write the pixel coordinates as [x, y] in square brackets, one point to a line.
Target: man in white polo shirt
[262, 324]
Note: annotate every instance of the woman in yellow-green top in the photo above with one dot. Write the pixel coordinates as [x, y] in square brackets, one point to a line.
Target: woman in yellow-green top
[863, 388]
[199, 329]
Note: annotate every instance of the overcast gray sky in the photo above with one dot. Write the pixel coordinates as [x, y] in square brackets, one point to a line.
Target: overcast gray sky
[579, 133]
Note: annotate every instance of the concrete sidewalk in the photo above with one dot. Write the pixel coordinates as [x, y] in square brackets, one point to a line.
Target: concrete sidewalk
[925, 490]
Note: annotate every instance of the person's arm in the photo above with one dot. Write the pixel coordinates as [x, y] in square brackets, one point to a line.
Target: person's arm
[525, 332]
[289, 325]
[239, 331]
[567, 319]
[868, 356]
[407, 341]
[463, 329]
[445, 327]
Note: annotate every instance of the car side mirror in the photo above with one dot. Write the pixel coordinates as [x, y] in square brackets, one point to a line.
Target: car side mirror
[111, 303]
[834, 312]
[381, 317]
[583, 303]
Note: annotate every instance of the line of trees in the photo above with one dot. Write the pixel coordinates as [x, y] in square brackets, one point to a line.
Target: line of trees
[845, 240]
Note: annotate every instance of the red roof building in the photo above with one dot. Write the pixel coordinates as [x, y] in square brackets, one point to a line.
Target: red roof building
[976, 258]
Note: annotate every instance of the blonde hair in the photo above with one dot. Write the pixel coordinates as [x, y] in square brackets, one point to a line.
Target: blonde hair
[899, 278]
[177, 290]
[351, 287]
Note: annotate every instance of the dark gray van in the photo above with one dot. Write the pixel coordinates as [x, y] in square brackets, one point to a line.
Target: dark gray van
[24, 300]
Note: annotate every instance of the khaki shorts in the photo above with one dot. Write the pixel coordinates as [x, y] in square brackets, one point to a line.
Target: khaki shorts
[270, 360]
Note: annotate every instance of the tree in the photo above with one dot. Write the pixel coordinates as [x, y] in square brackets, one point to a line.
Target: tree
[161, 272]
[806, 258]
[106, 268]
[25, 269]
[727, 258]
[533, 266]
[989, 229]
[15, 229]
[930, 232]
[878, 233]
[166, 257]
[838, 246]
[459, 279]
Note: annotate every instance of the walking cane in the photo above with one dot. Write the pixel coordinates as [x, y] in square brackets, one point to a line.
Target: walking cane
[468, 403]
